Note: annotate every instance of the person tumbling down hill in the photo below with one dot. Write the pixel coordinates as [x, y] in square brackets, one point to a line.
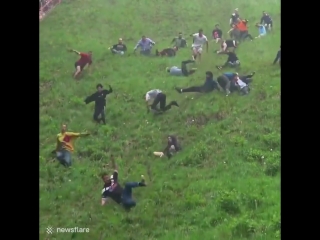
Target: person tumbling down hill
[232, 61]
[155, 97]
[262, 30]
[119, 48]
[172, 147]
[183, 71]
[278, 57]
[167, 52]
[112, 189]
[145, 44]
[99, 98]
[65, 145]
[226, 45]
[85, 60]
[228, 81]
[209, 85]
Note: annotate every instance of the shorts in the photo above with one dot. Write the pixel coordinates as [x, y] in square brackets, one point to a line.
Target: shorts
[197, 48]
[77, 64]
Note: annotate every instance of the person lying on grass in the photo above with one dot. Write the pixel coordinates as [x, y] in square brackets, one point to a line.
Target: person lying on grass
[183, 71]
[99, 99]
[209, 85]
[172, 147]
[238, 84]
[112, 189]
[228, 81]
[155, 97]
[65, 145]
[84, 61]
[179, 41]
[119, 48]
[167, 52]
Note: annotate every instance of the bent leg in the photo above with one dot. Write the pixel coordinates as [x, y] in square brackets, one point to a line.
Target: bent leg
[184, 68]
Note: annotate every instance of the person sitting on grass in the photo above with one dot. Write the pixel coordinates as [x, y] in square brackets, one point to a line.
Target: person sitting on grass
[179, 41]
[85, 60]
[167, 52]
[172, 147]
[145, 44]
[209, 85]
[119, 48]
[232, 61]
[156, 96]
[262, 30]
[112, 189]
[183, 71]
[226, 45]
[65, 145]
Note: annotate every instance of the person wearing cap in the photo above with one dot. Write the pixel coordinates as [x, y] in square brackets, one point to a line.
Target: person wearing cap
[217, 33]
[119, 48]
[234, 17]
[209, 85]
[179, 41]
[145, 44]
[99, 98]
[232, 61]
[183, 71]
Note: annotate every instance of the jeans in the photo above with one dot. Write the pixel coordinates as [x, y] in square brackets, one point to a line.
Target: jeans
[64, 158]
[127, 200]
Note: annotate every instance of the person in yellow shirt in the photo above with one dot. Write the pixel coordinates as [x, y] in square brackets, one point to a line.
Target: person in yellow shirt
[65, 145]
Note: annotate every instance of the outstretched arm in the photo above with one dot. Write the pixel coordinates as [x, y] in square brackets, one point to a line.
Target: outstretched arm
[90, 98]
[75, 51]
[108, 91]
[113, 164]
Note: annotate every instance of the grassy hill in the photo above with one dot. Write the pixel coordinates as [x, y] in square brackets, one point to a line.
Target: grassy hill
[225, 185]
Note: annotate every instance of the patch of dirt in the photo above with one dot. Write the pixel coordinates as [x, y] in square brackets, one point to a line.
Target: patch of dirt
[45, 86]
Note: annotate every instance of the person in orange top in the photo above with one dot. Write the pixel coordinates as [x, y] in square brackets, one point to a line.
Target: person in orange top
[243, 28]
[65, 145]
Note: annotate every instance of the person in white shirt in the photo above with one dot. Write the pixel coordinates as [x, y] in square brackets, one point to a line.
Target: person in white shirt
[199, 39]
[242, 86]
[156, 96]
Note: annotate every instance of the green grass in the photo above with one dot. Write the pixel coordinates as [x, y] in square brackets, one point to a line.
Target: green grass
[224, 185]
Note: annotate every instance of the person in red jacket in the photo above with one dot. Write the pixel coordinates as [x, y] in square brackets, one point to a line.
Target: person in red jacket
[85, 60]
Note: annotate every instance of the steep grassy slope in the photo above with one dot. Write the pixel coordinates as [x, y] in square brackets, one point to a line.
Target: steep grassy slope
[226, 182]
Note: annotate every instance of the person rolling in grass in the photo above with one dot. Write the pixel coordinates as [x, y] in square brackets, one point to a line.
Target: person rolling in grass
[232, 61]
[112, 189]
[167, 52]
[65, 145]
[278, 57]
[85, 60]
[99, 97]
[226, 45]
[173, 146]
[209, 85]
[228, 81]
[183, 71]
[156, 96]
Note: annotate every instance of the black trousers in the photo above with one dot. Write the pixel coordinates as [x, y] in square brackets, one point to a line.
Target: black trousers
[200, 89]
[162, 99]
[224, 82]
[184, 68]
[99, 111]
[245, 34]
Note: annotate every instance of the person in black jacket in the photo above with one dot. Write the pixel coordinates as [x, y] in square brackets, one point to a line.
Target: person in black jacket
[173, 146]
[167, 52]
[99, 98]
[119, 48]
[209, 85]
[278, 57]
[232, 61]
[266, 20]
